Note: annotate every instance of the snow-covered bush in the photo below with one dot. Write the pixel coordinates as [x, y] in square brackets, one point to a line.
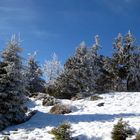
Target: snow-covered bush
[77, 97]
[121, 131]
[60, 109]
[80, 96]
[52, 90]
[49, 100]
[40, 96]
[62, 132]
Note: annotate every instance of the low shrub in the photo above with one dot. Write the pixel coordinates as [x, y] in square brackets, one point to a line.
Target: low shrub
[49, 101]
[80, 95]
[60, 109]
[62, 132]
[51, 89]
[57, 92]
[121, 130]
[40, 96]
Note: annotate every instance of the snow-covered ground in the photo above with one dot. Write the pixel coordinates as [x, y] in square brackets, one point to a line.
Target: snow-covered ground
[88, 121]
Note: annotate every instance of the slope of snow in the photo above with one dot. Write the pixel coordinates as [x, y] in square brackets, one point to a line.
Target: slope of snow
[88, 121]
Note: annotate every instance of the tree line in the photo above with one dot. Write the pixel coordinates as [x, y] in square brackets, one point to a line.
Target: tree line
[89, 71]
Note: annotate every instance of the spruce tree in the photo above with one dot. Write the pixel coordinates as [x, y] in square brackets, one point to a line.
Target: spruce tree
[106, 80]
[74, 77]
[12, 88]
[95, 66]
[34, 73]
[123, 63]
[133, 76]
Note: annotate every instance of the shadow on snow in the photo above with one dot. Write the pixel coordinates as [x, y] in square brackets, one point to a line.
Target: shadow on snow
[42, 120]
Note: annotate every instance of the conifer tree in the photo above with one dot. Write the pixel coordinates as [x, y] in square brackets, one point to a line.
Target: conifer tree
[133, 76]
[95, 65]
[123, 65]
[74, 77]
[12, 88]
[34, 73]
[106, 80]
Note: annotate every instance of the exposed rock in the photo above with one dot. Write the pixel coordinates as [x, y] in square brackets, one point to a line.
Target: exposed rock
[100, 104]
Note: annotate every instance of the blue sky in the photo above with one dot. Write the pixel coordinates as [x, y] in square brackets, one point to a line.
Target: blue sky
[48, 26]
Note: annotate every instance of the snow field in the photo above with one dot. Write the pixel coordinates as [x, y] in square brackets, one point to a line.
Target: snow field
[88, 121]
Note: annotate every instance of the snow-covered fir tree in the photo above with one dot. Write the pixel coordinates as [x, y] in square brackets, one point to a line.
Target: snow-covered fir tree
[12, 87]
[34, 73]
[133, 76]
[106, 81]
[122, 63]
[52, 69]
[72, 80]
[95, 65]
[76, 72]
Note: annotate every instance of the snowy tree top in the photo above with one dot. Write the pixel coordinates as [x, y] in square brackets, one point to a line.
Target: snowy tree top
[83, 44]
[97, 40]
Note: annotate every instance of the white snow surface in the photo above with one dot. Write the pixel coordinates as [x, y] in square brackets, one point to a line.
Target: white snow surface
[88, 121]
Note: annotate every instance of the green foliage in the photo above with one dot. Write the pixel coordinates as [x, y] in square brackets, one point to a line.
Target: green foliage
[121, 130]
[60, 109]
[62, 132]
